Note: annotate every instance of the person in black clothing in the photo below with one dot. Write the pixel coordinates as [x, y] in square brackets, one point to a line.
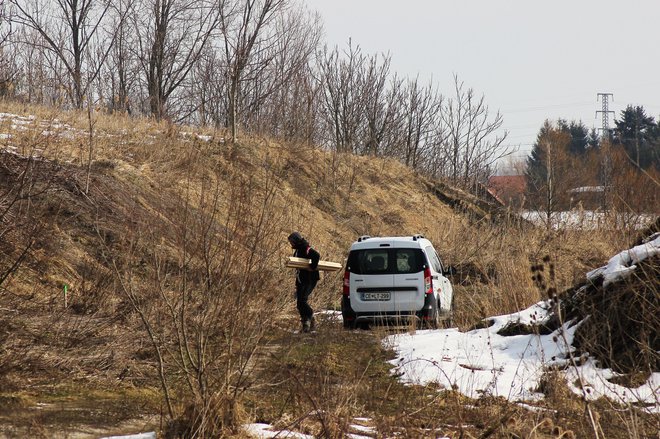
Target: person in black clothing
[306, 279]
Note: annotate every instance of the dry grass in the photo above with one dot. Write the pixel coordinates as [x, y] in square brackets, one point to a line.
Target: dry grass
[164, 214]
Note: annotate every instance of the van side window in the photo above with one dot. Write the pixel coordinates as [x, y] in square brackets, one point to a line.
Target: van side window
[434, 260]
[442, 267]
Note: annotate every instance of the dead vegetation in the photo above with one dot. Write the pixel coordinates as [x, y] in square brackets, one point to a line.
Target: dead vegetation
[620, 322]
[177, 304]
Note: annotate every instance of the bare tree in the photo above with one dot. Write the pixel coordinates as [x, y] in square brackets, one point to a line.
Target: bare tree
[278, 91]
[121, 71]
[381, 103]
[69, 29]
[8, 67]
[472, 145]
[342, 97]
[268, 90]
[248, 34]
[421, 107]
[5, 23]
[556, 172]
[171, 35]
[205, 97]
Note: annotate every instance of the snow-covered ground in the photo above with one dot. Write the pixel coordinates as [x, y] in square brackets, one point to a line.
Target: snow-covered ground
[481, 362]
[267, 431]
[586, 219]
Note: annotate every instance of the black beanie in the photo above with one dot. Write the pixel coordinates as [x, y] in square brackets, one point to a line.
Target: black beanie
[296, 238]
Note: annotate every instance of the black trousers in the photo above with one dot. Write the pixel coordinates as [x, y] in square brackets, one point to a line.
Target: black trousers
[303, 290]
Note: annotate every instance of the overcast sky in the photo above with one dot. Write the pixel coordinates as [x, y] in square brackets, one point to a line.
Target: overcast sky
[532, 60]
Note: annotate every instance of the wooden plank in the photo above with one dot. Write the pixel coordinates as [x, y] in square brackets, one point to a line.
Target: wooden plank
[304, 263]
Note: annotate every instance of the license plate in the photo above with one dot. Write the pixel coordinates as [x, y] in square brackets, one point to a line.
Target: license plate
[376, 296]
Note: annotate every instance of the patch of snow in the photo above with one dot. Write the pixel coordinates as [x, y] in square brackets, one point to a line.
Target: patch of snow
[261, 430]
[363, 428]
[331, 315]
[586, 219]
[266, 431]
[584, 189]
[201, 137]
[536, 409]
[481, 362]
[597, 386]
[623, 263]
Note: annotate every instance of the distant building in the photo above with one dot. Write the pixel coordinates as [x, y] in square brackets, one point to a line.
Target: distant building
[586, 197]
[508, 190]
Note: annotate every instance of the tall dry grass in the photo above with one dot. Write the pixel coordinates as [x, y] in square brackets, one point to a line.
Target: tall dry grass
[493, 262]
[181, 241]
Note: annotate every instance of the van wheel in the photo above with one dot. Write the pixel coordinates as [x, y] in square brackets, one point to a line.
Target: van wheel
[429, 324]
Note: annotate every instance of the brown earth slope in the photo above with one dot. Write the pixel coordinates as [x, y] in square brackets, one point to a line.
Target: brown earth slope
[71, 344]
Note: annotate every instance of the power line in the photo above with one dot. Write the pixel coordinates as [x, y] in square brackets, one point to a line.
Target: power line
[544, 107]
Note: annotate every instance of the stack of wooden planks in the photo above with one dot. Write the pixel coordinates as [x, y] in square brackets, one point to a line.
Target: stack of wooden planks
[293, 262]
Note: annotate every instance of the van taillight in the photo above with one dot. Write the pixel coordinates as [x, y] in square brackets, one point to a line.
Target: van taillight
[428, 282]
[347, 283]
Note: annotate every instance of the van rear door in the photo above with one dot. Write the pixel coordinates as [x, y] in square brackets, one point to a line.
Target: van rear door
[408, 276]
[371, 280]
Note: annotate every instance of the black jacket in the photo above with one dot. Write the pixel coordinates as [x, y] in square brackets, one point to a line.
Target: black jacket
[303, 250]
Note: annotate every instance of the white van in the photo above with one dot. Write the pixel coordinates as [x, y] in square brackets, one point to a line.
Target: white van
[395, 279]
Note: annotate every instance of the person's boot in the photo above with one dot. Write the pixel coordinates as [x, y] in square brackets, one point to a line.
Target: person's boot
[306, 325]
[312, 324]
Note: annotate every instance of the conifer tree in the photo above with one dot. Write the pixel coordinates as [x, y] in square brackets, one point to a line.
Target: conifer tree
[640, 137]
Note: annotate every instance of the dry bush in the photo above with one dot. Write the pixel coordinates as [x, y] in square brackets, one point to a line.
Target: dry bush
[201, 280]
[492, 259]
[621, 321]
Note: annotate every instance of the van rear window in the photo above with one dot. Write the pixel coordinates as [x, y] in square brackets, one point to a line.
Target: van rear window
[386, 261]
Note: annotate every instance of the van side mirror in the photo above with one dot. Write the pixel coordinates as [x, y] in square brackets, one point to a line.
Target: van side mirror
[449, 271]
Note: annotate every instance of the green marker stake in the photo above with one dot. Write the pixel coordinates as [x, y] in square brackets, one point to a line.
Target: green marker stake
[66, 288]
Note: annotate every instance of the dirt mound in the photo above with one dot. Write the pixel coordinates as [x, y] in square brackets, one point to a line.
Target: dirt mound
[619, 310]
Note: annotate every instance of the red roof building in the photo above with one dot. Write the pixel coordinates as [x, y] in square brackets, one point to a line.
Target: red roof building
[509, 190]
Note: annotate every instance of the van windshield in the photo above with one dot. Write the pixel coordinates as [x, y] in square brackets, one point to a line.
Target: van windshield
[386, 261]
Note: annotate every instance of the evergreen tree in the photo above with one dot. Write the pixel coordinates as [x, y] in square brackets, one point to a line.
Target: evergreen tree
[592, 140]
[640, 137]
[580, 141]
[536, 171]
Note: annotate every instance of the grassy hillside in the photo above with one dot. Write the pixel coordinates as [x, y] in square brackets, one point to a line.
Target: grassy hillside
[171, 244]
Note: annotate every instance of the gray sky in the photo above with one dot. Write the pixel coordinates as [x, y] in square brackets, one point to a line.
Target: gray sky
[532, 60]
